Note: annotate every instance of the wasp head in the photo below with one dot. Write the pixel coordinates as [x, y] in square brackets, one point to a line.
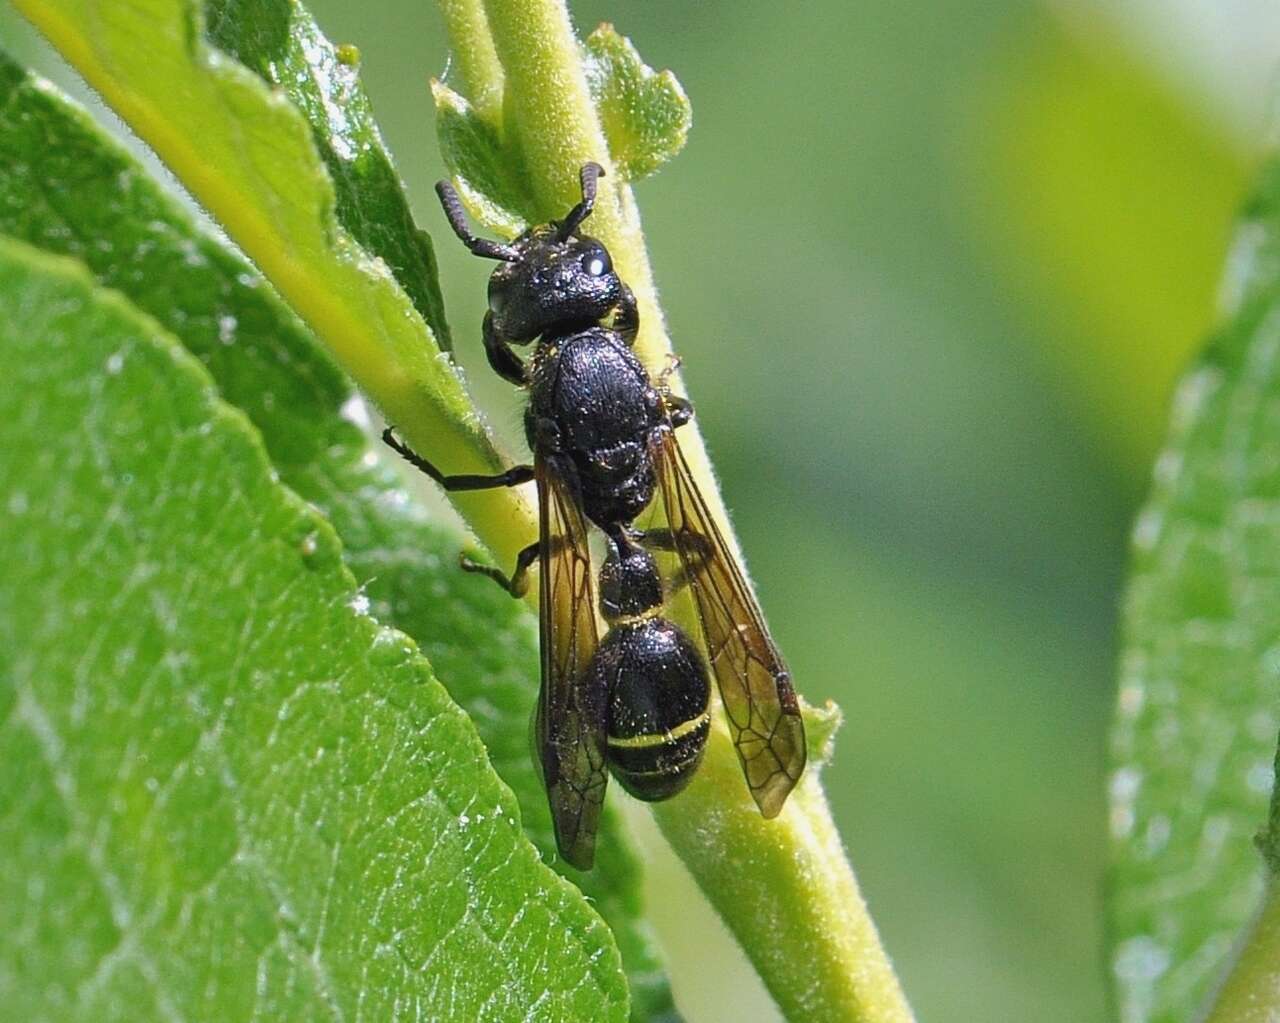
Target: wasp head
[549, 277]
[555, 282]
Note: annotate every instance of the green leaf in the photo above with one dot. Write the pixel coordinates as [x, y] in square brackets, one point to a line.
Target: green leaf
[229, 792]
[645, 114]
[1199, 703]
[484, 646]
[69, 189]
[282, 43]
[485, 172]
[480, 642]
[247, 154]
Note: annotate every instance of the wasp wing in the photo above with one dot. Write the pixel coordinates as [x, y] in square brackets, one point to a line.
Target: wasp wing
[755, 686]
[569, 726]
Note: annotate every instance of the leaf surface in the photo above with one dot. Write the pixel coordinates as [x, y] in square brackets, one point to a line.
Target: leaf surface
[248, 155]
[479, 641]
[282, 43]
[645, 114]
[485, 171]
[1199, 701]
[230, 792]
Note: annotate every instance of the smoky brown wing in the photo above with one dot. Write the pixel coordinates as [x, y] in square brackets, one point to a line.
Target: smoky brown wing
[755, 686]
[569, 727]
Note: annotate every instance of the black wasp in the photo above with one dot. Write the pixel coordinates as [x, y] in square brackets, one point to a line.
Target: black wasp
[603, 435]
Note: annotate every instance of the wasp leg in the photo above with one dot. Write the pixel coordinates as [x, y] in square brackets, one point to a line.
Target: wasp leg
[625, 317]
[673, 364]
[506, 363]
[679, 410]
[512, 477]
[517, 584]
[665, 540]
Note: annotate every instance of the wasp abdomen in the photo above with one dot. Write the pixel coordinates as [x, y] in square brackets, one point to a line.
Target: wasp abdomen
[658, 694]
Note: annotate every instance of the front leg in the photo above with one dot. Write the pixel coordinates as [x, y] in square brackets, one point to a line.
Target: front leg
[625, 317]
[679, 410]
[512, 477]
[506, 363]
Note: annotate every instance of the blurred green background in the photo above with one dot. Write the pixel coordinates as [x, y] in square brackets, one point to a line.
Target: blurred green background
[933, 269]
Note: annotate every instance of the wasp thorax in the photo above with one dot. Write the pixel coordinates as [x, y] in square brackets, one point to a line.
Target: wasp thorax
[629, 582]
[556, 283]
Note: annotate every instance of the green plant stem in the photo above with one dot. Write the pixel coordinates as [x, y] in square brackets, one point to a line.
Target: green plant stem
[473, 52]
[784, 887]
[549, 108]
[1251, 993]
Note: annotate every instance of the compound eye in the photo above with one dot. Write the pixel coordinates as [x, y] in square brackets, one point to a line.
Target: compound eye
[596, 262]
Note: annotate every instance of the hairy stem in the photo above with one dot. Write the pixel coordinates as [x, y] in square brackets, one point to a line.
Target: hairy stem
[786, 890]
[468, 28]
[1251, 993]
[784, 886]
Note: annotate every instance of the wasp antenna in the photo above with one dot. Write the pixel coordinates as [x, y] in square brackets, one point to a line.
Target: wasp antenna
[458, 221]
[591, 171]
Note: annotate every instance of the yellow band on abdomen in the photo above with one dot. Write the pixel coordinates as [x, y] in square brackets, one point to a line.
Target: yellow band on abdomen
[642, 741]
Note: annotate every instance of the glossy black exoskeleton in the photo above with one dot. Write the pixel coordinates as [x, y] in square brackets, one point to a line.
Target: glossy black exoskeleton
[602, 432]
[653, 677]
